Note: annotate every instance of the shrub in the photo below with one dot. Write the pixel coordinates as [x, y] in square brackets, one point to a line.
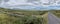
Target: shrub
[29, 20]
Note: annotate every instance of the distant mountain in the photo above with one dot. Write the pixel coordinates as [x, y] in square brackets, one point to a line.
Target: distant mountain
[32, 7]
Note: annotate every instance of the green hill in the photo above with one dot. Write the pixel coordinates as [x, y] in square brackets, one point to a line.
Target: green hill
[56, 12]
[10, 16]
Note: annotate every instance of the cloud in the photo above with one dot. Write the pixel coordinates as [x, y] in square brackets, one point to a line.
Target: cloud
[16, 2]
[20, 2]
[35, 3]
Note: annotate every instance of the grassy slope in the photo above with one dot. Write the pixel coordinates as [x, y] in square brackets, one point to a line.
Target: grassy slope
[45, 17]
[56, 12]
[6, 18]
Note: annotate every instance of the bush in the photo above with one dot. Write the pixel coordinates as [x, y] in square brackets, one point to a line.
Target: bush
[22, 20]
[28, 20]
[13, 17]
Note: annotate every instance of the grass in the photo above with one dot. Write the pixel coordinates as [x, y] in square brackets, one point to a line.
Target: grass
[8, 16]
[45, 18]
[56, 12]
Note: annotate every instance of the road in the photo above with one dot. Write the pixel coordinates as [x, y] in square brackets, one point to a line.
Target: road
[52, 19]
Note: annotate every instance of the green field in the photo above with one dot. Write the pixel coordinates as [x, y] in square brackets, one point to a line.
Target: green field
[10, 16]
[56, 12]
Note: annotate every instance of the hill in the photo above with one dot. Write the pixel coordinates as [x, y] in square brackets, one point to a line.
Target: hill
[11, 16]
[56, 12]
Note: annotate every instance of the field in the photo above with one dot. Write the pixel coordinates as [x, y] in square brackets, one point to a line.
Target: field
[10, 16]
[56, 12]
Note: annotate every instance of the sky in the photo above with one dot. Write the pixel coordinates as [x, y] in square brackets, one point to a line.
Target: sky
[30, 4]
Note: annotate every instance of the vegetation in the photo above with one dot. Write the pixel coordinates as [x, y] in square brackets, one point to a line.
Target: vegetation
[10, 16]
[56, 12]
[45, 18]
